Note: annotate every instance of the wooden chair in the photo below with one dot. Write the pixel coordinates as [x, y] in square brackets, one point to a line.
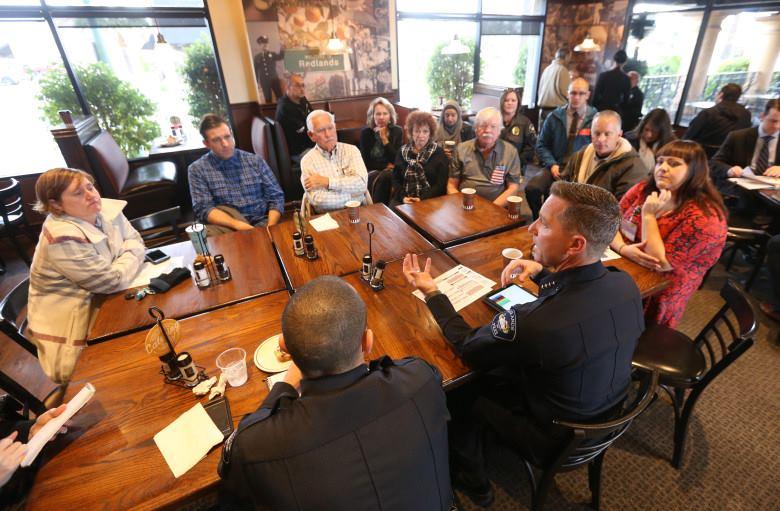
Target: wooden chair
[12, 217]
[691, 365]
[146, 188]
[380, 184]
[747, 239]
[263, 144]
[588, 442]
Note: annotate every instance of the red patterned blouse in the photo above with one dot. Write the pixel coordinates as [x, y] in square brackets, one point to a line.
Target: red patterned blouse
[693, 240]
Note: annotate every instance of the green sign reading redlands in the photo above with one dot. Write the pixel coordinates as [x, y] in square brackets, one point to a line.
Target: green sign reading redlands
[302, 61]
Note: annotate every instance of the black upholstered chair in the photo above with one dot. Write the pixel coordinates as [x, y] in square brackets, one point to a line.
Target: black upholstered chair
[263, 145]
[687, 366]
[587, 443]
[13, 316]
[12, 217]
[159, 228]
[380, 185]
[289, 170]
[146, 188]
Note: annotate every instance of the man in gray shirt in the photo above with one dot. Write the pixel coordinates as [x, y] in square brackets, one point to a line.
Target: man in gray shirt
[487, 164]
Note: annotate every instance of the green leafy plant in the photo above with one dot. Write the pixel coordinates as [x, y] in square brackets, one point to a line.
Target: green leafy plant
[451, 76]
[520, 67]
[734, 65]
[669, 66]
[200, 74]
[119, 107]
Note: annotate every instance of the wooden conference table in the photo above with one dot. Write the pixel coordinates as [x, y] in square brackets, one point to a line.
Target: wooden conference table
[109, 458]
[251, 260]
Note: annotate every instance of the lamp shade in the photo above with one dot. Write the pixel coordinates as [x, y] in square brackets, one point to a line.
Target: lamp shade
[455, 47]
[588, 44]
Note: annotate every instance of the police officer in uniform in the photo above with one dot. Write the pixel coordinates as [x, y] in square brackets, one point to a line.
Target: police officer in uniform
[265, 69]
[339, 433]
[566, 355]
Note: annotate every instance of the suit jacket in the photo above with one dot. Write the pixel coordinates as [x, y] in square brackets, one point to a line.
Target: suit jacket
[612, 88]
[738, 149]
[372, 438]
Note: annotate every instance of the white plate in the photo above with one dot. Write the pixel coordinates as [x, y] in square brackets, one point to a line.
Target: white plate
[265, 358]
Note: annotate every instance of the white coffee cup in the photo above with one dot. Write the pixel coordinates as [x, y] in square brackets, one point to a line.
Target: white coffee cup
[511, 254]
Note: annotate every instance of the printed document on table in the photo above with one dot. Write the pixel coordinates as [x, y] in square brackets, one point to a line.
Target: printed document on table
[609, 255]
[462, 285]
[753, 183]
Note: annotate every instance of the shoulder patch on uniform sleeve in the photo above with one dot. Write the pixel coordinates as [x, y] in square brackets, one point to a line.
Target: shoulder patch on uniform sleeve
[504, 325]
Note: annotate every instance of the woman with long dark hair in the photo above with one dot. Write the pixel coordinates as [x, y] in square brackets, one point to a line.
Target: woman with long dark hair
[517, 128]
[653, 132]
[675, 222]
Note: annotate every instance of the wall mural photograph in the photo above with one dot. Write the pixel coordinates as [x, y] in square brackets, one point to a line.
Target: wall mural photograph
[341, 47]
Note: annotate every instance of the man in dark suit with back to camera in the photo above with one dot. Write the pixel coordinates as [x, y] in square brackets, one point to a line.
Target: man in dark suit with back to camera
[711, 126]
[291, 111]
[613, 86]
[359, 436]
[566, 355]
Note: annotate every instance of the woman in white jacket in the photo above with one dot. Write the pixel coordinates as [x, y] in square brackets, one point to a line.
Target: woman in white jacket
[86, 246]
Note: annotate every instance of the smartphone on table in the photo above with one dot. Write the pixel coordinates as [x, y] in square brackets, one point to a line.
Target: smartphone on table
[156, 256]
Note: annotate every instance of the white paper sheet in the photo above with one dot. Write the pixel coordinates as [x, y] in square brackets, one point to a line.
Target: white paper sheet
[324, 223]
[187, 440]
[51, 428]
[149, 271]
[752, 183]
[462, 285]
[609, 255]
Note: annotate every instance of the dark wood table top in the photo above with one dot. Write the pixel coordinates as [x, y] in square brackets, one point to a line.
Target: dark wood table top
[444, 221]
[341, 250]
[484, 256]
[109, 458]
[248, 254]
[403, 325]
[771, 196]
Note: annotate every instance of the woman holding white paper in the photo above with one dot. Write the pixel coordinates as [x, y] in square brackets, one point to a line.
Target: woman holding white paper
[14, 486]
[86, 246]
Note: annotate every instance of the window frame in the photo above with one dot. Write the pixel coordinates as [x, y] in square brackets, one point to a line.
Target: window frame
[707, 11]
[478, 17]
[49, 13]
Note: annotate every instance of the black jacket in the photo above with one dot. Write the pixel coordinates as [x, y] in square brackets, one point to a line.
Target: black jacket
[738, 149]
[711, 125]
[573, 346]
[292, 116]
[436, 172]
[367, 140]
[372, 438]
[611, 90]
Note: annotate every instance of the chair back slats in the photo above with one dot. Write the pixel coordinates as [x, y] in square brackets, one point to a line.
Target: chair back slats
[729, 332]
[13, 319]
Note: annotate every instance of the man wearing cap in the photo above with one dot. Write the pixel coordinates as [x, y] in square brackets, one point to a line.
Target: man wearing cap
[265, 69]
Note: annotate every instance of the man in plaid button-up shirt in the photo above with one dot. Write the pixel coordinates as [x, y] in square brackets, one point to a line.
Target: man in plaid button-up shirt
[332, 173]
[232, 189]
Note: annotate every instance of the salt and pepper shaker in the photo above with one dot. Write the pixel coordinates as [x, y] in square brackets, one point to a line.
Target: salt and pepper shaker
[365, 270]
[223, 272]
[202, 279]
[298, 244]
[377, 277]
[187, 368]
[311, 250]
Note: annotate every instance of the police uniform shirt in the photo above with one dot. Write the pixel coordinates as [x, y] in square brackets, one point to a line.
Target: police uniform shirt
[372, 438]
[573, 345]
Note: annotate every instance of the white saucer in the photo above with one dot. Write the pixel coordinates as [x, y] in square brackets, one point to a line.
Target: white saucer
[265, 358]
